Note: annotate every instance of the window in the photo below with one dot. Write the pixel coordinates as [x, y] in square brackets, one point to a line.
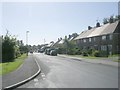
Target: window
[103, 37]
[84, 40]
[104, 48]
[89, 39]
[110, 47]
[94, 39]
[81, 40]
[96, 47]
[110, 36]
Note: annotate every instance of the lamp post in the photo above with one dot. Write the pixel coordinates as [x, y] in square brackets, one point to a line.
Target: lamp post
[27, 41]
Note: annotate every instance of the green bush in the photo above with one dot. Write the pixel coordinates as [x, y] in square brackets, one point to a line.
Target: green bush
[8, 49]
[61, 51]
[96, 53]
[90, 51]
[84, 53]
[78, 52]
[103, 54]
[71, 51]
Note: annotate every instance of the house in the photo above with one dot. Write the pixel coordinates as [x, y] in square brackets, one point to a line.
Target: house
[101, 37]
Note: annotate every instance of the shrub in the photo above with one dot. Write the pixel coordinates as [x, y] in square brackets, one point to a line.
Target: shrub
[103, 54]
[8, 49]
[90, 51]
[84, 53]
[61, 51]
[71, 51]
[96, 53]
[78, 52]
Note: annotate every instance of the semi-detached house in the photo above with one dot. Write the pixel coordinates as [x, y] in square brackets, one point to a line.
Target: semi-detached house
[102, 38]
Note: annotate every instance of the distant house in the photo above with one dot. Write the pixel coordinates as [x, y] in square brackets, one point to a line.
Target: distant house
[102, 38]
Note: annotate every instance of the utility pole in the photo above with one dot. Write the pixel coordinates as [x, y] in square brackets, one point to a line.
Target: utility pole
[44, 41]
[27, 41]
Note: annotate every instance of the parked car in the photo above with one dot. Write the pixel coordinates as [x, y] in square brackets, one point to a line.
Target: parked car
[41, 50]
[47, 51]
[53, 52]
[31, 52]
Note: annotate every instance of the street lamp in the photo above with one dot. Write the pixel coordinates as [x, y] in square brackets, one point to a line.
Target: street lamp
[27, 41]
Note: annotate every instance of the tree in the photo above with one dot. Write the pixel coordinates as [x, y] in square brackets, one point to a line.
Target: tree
[74, 35]
[105, 21]
[11, 48]
[111, 19]
[117, 17]
[8, 48]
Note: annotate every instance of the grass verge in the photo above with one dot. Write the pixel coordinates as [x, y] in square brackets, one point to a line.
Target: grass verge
[96, 58]
[87, 57]
[116, 61]
[11, 66]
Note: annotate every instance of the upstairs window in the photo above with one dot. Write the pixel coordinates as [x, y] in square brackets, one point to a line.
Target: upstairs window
[103, 37]
[90, 40]
[94, 39]
[110, 36]
[84, 40]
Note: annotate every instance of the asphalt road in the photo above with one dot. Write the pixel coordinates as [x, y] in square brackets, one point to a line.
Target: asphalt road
[58, 72]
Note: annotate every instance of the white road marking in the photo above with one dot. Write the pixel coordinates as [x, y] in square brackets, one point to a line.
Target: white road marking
[35, 80]
[43, 76]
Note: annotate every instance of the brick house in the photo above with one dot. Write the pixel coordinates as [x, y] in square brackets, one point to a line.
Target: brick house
[103, 38]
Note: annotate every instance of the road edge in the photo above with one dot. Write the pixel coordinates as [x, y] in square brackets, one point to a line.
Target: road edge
[26, 80]
[89, 61]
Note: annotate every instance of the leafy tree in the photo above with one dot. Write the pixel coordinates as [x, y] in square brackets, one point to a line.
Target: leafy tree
[11, 48]
[105, 21]
[117, 17]
[23, 49]
[111, 19]
[8, 48]
[74, 35]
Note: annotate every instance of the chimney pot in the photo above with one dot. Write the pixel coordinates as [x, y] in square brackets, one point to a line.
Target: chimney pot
[89, 27]
[97, 24]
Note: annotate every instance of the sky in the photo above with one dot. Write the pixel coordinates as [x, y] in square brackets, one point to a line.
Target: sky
[51, 20]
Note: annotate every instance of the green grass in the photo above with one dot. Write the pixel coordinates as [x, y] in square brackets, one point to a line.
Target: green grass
[87, 57]
[116, 61]
[115, 55]
[11, 66]
[92, 57]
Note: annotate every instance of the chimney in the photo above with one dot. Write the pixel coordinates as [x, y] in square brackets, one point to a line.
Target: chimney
[97, 24]
[58, 39]
[89, 27]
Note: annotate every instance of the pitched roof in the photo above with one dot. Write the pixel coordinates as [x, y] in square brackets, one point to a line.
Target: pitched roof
[97, 31]
[61, 42]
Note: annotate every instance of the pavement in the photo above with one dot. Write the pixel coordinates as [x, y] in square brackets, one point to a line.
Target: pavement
[105, 61]
[24, 73]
